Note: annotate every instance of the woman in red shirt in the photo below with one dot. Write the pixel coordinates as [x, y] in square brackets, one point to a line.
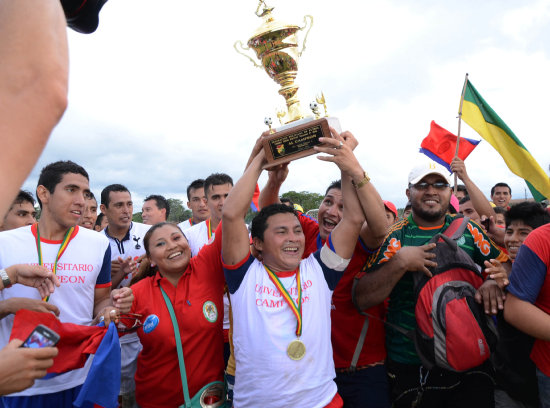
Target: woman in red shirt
[195, 289]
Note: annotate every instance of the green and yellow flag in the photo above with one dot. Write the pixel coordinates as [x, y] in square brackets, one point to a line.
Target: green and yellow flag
[484, 120]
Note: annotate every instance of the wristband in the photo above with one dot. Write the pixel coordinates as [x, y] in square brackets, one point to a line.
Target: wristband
[5, 278]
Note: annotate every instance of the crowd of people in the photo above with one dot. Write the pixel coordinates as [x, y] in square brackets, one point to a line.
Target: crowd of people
[287, 311]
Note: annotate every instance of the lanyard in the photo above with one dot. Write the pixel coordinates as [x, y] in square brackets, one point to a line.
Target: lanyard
[296, 308]
[62, 248]
[209, 229]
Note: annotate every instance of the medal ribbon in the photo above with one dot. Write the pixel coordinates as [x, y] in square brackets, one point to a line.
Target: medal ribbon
[64, 244]
[296, 308]
[209, 229]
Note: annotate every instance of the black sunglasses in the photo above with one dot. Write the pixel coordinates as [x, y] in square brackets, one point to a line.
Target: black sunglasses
[439, 185]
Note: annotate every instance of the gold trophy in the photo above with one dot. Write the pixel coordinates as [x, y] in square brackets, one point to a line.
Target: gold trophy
[276, 46]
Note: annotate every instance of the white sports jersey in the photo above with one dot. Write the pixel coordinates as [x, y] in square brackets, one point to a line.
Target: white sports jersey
[131, 245]
[83, 266]
[198, 236]
[185, 225]
[263, 327]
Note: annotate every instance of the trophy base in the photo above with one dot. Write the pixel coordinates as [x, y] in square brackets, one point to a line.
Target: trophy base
[296, 140]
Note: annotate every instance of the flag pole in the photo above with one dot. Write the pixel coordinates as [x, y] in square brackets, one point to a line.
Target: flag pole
[459, 123]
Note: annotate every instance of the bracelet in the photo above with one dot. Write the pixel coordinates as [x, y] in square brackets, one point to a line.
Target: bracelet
[5, 278]
[363, 181]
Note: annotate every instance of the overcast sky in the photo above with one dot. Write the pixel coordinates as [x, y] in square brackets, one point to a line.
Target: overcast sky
[158, 96]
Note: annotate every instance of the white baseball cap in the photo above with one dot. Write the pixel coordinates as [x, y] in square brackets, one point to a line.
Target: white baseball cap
[425, 167]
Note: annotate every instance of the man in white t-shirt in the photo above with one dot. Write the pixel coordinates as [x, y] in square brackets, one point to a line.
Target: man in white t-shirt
[197, 205]
[21, 212]
[127, 249]
[155, 209]
[216, 187]
[81, 260]
[281, 306]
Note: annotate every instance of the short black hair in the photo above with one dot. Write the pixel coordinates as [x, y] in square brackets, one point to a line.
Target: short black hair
[196, 184]
[259, 222]
[528, 212]
[408, 206]
[464, 199]
[286, 200]
[499, 210]
[216, 179]
[111, 188]
[335, 184]
[51, 175]
[461, 187]
[500, 185]
[23, 197]
[161, 203]
[99, 220]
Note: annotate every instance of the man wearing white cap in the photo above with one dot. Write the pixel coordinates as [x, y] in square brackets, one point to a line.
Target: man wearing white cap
[406, 250]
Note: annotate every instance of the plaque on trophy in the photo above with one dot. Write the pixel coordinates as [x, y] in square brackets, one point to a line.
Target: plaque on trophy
[276, 46]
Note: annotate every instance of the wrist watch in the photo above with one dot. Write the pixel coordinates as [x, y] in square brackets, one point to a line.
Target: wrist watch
[5, 278]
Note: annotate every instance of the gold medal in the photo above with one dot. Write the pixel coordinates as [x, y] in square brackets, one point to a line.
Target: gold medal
[296, 349]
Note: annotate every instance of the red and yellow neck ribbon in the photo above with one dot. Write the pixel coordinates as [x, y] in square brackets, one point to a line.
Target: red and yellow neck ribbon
[64, 244]
[209, 229]
[296, 308]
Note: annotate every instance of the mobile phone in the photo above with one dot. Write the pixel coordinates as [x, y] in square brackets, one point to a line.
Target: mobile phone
[41, 336]
[486, 223]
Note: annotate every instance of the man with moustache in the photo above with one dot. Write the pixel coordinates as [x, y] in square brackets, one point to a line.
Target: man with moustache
[406, 251]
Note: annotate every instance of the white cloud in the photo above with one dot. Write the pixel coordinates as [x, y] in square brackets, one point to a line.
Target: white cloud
[158, 96]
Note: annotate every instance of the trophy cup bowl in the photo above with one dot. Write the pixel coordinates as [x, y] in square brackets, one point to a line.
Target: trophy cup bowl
[276, 46]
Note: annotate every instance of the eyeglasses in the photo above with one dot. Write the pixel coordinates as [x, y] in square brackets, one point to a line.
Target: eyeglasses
[439, 185]
[129, 322]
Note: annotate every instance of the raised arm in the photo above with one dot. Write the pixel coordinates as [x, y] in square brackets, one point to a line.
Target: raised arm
[479, 201]
[33, 89]
[345, 234]
[374, 230]
[235, 241]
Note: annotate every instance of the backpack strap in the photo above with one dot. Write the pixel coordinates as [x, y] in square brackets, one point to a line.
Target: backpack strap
[359, 346]
[407, 333]
[456, 228]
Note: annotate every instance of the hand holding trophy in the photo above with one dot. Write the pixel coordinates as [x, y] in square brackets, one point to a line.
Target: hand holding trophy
[276, 46]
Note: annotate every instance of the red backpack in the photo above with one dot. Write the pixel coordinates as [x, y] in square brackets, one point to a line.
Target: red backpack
[453, 332]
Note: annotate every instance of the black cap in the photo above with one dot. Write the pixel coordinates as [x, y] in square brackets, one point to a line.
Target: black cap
[82, 15]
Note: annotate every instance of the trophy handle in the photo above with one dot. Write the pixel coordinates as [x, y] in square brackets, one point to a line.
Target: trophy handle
[307, 32]
[242, 47]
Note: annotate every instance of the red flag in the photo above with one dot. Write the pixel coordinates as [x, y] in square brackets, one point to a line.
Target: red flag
[440, 145]
[75, 342]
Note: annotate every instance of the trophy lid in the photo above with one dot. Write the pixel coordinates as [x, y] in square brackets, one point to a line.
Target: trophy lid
[270, 25]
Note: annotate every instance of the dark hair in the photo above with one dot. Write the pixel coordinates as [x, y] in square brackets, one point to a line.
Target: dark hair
[111, 188]
[461, 187]
[161, 203]
[259, 222]
[335, 184]
[198, 183]
[51, 175]
[216, 179]
[499, 210]
[99, 220]
[23, 197]
[287, 200]
[145, 269]
[408, 206]
[528, 212]
[500, 185]
[464, 199]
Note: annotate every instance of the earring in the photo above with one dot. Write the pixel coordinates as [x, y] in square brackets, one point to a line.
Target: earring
[153, 265]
